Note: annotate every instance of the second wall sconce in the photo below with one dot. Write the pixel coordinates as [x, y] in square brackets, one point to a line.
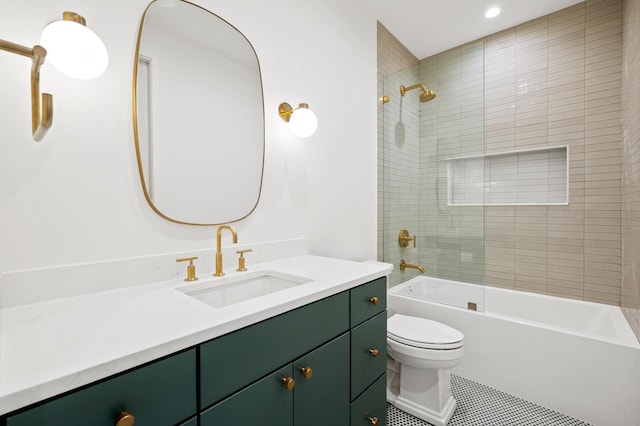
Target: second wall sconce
[302, 120]
[74, 50]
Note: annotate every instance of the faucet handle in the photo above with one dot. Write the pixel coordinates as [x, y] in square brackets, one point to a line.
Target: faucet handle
[191, 268]
[241, 259]
[404, 238]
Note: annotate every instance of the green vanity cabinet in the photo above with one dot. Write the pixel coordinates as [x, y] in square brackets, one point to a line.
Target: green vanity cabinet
[235, 360]
[342, 339]
[332, 350]
[160, 393]
[318, 395]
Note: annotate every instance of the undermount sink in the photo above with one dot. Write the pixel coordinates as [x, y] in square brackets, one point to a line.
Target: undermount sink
[221, 292]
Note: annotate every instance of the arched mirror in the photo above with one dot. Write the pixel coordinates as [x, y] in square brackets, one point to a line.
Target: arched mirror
[198, 115]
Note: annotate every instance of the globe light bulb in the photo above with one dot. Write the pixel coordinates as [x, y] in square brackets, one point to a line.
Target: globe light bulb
[303, 122]
[74, 50]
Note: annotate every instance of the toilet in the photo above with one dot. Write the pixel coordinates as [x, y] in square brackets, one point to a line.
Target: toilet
[421, 352]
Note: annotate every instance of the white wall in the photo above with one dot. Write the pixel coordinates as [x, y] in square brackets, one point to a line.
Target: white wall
[76, 197]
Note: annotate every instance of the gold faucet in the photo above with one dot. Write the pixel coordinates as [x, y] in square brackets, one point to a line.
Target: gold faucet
[404, 265]
[219, 272]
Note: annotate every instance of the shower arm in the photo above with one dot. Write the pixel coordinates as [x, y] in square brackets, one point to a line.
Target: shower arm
[404, 90]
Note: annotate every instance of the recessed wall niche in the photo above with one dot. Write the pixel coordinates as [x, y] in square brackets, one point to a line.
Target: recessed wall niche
[531, 177]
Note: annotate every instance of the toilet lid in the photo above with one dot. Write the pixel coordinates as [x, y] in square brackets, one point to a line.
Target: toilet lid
[423, 333]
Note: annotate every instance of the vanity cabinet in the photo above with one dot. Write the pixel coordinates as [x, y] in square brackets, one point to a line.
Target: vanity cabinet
[318, 395]
[160, 393]
[323, 363]
[347, 383]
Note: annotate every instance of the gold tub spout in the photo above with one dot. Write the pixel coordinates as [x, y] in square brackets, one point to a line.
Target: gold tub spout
[219, 272]
[404, 265]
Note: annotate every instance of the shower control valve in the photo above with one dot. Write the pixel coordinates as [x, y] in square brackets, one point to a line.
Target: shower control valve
[404, 238]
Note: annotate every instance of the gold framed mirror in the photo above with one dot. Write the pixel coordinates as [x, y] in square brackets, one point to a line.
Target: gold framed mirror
[198, 115]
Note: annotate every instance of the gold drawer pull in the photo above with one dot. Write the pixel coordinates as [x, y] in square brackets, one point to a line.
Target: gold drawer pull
[307, 372]
[288, 383]
[374, 352]
[374, 300]
[125, 418]
[373, 420]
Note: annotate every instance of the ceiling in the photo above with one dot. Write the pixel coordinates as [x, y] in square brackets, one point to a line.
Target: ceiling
[427, 27]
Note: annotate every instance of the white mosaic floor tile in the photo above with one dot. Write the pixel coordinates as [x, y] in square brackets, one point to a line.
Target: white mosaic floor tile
[479, 405]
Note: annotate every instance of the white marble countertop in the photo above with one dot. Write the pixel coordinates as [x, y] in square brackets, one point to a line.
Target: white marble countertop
[51, 347]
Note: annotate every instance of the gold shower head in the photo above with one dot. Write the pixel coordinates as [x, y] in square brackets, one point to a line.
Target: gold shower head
[425, 96]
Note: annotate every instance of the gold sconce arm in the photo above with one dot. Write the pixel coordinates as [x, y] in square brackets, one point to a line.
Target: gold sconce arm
[39, 124]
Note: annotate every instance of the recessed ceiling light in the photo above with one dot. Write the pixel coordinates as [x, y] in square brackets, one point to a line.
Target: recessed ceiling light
[492, 12]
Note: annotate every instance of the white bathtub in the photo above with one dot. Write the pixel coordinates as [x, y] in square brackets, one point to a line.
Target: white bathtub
[578, 358]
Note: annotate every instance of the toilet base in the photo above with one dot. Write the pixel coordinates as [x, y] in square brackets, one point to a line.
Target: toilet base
[425, 394]
[435, 418]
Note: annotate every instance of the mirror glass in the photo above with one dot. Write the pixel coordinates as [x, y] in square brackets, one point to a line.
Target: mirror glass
[198, 114]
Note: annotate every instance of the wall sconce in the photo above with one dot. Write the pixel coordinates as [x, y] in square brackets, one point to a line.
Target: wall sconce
[74, 50]
[302, 120]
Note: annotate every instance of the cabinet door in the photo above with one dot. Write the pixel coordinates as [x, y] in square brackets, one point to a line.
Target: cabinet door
[368, 353]
[161, 393]
[264, 403]
[323, 398]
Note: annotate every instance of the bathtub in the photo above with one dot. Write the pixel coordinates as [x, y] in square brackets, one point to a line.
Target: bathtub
[575, 357]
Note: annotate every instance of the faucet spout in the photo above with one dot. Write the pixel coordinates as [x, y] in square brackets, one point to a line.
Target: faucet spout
[404, 265]
[219, 272]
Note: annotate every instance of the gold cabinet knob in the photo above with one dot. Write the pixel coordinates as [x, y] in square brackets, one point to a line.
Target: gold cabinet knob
[288, 383]
[125, 418]
[374, 352]
[307, 372]
[374, 300]
[373, 420]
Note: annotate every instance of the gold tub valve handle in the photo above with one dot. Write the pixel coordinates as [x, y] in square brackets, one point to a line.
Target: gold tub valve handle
[124, 418]
[241, 259]
[404, 238]
[191, 268]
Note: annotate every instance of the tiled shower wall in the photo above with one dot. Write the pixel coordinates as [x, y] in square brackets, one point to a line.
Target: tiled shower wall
[553, 81]
[394, 166]
[557, 81]
[631, 164]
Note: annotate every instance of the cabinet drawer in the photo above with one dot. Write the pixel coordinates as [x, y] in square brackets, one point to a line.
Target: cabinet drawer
[366, 364]
[161, 393]
[235, 360]
[264, 403]
[368, 300]
[371, 405]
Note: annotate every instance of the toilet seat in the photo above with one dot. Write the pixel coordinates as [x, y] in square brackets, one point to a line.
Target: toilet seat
[423, 333]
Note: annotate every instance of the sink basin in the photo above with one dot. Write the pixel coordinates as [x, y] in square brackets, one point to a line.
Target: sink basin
[223, 292]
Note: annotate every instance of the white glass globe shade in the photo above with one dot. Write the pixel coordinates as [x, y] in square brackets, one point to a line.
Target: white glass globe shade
[303, 122]
[74, 50]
